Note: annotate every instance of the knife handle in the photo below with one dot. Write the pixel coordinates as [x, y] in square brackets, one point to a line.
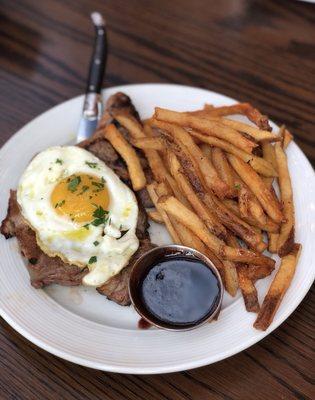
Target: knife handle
[99, 56]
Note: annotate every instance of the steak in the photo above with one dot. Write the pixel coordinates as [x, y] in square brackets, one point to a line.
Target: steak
[45, 270]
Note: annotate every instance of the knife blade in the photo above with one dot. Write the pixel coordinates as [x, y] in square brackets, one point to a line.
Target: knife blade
[93, 106]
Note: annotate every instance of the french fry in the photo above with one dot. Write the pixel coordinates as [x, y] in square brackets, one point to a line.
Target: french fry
[258, 187]
[235, 224]
[278, 288]
[269, 155]
[177, 190]
[244, 109]
[230, 277]
[155, 199]
[131, 124]
[248, 289]
[155, 216]
[255, 272]
[269, 226]
[154, 159]
[204, 165]
[212, 223]
[221, 165]
[260, 165]
[256, 133]
[212, 128]
[148, 143]
[287, 137]
[129, 155]
[246, 284]
[256, 211]
[286, 235]
[188, 218]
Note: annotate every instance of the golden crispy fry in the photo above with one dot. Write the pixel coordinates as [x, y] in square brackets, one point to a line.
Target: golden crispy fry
[208, 127]
[246, 284]
[204, 165]
[155, 199]
[258, 187]
[154, 159]
[255, 272]
[273, 242]
[255, 133]
[248, 289]
[287, 137]
[278, 288]
[260, 165]
[131, 124]
[188, 218]
[221, 165]
[269, 155]
[155, 216]
[256, 211]
[212, 223]
[243, 201]
[244, 109]
[230, 277]
[129, 155]
[177, 190]
[286, 235]
[269, 226]
[148, 143]
[235, 224]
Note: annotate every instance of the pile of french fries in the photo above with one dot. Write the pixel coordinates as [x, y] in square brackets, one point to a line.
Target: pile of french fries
[213, 189]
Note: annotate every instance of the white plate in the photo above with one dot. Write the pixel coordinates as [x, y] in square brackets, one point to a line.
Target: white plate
[81, 326]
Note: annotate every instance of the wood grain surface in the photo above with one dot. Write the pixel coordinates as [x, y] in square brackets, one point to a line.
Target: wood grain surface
[257, 51]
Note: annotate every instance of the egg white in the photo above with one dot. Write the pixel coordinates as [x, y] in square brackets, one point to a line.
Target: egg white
[57, 235]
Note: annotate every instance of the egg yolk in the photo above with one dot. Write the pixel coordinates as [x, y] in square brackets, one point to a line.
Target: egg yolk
[78, 196]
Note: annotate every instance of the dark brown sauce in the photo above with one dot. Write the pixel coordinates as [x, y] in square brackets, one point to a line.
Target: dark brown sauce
[180, 291]
[143, 324]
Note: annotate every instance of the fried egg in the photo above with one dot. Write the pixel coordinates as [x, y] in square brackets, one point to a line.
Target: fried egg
[80, 210]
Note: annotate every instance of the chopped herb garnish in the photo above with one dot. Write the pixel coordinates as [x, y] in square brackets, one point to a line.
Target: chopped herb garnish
[86, 226]
[84, 189]
[59, 161]
[100, 216]
[60, 203]
[49, 169]
[237, 186]
[92, 260]
[102, 179]
[96, 243]
[73, 184]
[91, 164]
[98, 184]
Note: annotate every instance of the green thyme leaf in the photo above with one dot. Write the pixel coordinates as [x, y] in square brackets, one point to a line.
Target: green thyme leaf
[237, 186]
[92, 260]
[96, 243]
[73, 184]
[59, 161]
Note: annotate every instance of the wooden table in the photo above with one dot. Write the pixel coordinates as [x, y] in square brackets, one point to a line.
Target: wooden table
[257, 51]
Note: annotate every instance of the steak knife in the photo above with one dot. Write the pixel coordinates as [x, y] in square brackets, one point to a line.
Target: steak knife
[93, 106]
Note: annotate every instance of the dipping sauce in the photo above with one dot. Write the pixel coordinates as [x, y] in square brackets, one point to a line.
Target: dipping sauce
[180, 290]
